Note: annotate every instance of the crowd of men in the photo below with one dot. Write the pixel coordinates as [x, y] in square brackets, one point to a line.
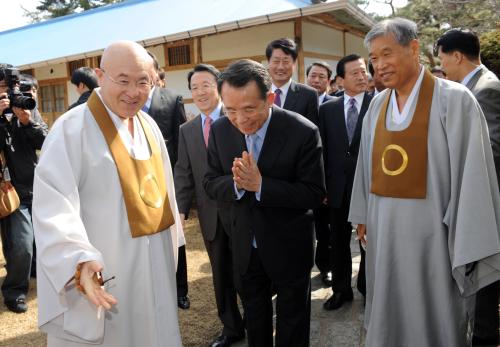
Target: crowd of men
[282, 174]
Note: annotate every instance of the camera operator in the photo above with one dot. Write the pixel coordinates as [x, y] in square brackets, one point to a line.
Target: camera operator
[22, 132]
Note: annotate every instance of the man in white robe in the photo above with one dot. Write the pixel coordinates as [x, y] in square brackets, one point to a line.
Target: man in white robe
[81, 216]
[429, 254]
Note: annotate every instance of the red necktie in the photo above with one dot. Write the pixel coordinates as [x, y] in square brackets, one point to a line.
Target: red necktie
[206, 129]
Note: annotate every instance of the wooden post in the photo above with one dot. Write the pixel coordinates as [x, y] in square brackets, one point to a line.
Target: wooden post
[343, 42]
[300, 46]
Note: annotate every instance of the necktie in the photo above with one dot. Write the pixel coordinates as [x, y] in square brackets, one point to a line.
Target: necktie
[254, 146]
[277, 97]
[352, 119]
[145, 108]
[206, 129]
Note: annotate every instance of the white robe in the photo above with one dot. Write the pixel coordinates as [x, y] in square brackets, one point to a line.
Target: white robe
[419, 250]
[79, 215]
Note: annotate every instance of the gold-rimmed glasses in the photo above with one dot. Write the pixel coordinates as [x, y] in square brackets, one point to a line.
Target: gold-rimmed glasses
[142, 84]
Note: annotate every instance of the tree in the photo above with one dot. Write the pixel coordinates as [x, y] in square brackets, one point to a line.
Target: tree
[490, 50]
[57, 8]
[434, 17]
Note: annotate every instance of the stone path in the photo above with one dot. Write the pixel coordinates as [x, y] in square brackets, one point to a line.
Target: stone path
[339, 328]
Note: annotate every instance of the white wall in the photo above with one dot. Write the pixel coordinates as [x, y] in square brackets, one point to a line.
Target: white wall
[177, 81]
[159, 53]
[322, 39]
[72, 93]
[354, 44]
[52, 71]
[245, 42]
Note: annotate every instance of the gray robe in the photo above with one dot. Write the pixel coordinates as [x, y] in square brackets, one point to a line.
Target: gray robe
[426, 258]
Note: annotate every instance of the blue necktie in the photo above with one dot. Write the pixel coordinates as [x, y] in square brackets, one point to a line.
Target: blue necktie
[254, 146]
[145, 108]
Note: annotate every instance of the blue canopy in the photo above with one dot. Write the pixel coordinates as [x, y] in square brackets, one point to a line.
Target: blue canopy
[148, 22]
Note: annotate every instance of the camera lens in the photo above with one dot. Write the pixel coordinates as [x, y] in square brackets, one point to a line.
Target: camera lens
[24, 102]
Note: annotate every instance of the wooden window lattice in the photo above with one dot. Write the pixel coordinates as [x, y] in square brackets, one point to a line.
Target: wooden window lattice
[179, 55]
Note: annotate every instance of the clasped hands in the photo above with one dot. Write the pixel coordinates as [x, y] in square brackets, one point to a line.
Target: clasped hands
[246, 174]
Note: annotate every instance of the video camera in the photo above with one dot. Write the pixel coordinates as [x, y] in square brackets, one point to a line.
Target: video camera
[17, 98]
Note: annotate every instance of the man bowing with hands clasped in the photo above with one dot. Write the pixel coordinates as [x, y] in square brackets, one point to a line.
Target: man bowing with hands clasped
[267, 163]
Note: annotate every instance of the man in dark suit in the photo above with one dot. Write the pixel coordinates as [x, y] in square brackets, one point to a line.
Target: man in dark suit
[340, 125]
[85, 80]
[336, 88]
[318, 74]
[167, 109]
[267, 162]
[214, 221]
[282, 57]
[459, 52]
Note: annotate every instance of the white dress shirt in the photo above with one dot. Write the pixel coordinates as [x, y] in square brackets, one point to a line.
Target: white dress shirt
[284, 91]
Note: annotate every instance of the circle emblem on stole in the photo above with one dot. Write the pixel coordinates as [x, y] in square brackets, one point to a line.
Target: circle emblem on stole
[403, 166]
[150, 192]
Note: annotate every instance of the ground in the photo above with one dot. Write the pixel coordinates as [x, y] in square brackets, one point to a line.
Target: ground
[200, 324]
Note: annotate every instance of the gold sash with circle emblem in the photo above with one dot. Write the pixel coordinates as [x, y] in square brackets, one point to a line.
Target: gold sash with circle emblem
[399, 158]
[142, 181]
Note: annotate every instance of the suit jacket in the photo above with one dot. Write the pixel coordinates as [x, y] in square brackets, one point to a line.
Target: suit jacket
[189, 172]
[486, 88]
[81, 99]
[291, 166]
[340, 157]
[327, 97]
[303, 100]
[167, 109]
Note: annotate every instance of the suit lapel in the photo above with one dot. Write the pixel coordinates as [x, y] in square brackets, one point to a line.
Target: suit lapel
[197, 134]
[273, 142]
[341, 123]
[156, 101]
[291, 97]
[473, 81]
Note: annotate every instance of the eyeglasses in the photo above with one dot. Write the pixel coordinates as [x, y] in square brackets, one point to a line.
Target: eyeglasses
[142, 85]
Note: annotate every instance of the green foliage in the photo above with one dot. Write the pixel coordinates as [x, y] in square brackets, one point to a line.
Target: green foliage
[57, 8]
[490, 50]
[434, 17]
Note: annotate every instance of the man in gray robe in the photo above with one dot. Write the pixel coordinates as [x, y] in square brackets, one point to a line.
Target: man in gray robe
[427, 204]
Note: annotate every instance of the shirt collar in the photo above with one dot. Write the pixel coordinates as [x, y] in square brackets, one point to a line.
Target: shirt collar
[471, 74]
[358, 97]
[261, 133]
[284, 88]
[150, 98]
[215, 114]
[321, 98]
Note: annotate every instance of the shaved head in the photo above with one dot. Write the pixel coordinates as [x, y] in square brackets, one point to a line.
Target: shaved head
[125, 77]
[121, 52]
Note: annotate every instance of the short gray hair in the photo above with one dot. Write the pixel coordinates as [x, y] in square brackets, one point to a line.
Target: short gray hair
[403, 30]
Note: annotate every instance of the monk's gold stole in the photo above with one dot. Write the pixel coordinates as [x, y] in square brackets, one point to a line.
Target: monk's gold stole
[142, 181]
[399, 158]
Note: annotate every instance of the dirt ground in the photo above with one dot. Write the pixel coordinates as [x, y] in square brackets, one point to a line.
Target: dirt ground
[199, 324]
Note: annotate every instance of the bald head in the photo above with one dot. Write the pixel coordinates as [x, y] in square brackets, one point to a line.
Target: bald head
[121, 52]
[125, 77]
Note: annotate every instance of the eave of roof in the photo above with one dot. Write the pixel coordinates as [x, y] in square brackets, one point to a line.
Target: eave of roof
[39, 45]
